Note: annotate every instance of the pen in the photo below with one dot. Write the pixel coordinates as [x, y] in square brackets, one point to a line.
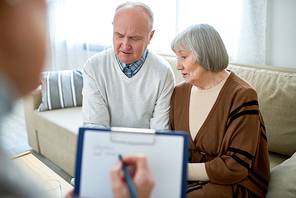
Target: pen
[128, 178]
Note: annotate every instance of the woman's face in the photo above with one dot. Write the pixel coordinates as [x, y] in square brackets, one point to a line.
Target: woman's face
[191, 71]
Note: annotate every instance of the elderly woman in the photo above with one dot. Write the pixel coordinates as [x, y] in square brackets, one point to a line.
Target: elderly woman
[228, 147]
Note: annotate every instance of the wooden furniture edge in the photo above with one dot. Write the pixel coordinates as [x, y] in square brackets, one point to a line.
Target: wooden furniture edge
[21, 154]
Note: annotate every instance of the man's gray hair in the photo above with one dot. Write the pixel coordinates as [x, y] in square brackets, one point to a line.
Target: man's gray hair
[206, 45]
[131, 4]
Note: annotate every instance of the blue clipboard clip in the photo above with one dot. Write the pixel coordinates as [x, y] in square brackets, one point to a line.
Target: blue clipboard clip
[132, 136]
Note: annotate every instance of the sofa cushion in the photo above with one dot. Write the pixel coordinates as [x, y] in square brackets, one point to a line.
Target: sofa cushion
[69, 119]
[282, 181]
[276, 90]
[276, 159]
[57, 135]
[61, 89]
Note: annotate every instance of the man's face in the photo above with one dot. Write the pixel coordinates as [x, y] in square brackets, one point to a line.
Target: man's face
[131, 34]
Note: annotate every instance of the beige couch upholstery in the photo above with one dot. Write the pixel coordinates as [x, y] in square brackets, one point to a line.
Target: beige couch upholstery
[54, 133]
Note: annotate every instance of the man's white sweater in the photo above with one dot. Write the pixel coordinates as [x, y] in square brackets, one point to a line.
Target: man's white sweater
[110, 98]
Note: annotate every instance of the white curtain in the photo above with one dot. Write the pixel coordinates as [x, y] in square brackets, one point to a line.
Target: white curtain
[251, 37]
[80, 28]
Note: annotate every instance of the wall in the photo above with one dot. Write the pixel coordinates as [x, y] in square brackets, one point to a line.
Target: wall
[281, 33]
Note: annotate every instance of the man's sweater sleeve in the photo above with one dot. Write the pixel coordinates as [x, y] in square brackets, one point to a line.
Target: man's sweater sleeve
[94, 108]
[160, 119]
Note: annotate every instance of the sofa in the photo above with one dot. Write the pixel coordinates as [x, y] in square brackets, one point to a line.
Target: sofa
[53, 133]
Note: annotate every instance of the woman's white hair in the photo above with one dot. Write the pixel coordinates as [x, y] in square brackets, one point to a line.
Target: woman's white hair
[132, 4]
[206, 45]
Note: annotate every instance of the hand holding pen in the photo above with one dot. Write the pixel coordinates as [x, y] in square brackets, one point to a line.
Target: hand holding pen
[140, 176]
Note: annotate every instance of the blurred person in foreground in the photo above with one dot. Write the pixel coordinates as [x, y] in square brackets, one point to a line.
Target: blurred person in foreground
[23, 25]
[228, 145]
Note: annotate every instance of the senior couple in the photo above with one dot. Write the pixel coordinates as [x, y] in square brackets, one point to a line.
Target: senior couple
[129, 86]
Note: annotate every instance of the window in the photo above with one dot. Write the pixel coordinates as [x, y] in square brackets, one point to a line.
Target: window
[241, 24]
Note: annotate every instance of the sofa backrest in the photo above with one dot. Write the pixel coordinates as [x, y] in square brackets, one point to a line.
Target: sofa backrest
[276, 88]
[173, 62]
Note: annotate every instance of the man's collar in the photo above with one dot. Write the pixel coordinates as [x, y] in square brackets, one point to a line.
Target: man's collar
[138, 62]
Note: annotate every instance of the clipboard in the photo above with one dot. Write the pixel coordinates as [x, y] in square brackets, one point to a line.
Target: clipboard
[98, 150]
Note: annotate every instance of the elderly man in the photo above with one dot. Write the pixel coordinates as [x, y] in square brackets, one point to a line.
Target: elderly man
[128, 85]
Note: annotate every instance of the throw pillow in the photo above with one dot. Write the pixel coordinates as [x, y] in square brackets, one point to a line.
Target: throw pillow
[282, 180]
[61, 89]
